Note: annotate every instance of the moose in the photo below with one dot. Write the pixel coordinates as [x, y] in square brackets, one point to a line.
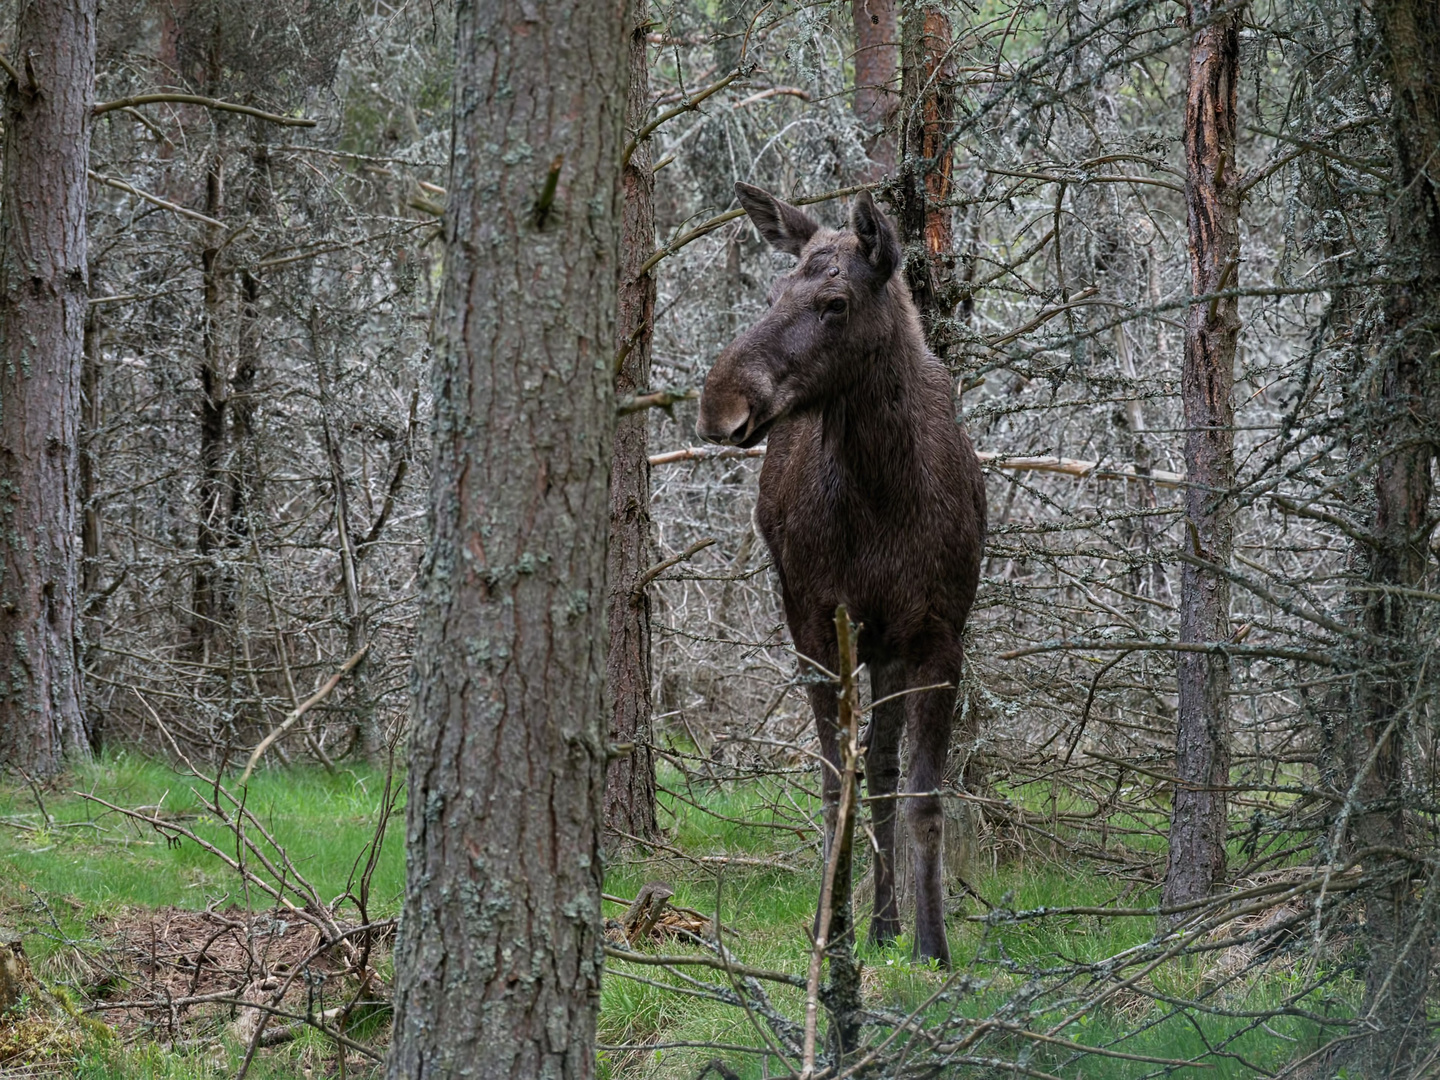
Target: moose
[871, 496]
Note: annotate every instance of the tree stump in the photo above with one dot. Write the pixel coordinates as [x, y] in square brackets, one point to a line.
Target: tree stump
[645, 912]
[16, 978]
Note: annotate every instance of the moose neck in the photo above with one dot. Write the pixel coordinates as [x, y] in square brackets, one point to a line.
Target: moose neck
[873, 428]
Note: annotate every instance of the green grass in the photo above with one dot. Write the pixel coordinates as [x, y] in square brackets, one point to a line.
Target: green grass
[93, 862]
[111, 1060]
[768, 913]
[745, 850]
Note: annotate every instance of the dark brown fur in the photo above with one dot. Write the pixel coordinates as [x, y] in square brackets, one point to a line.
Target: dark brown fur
[871, 496]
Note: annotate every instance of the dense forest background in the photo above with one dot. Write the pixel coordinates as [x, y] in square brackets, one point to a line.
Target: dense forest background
[1208, 430]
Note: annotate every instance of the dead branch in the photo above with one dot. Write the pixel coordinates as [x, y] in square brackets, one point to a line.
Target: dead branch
[300, 710]
[210, 103]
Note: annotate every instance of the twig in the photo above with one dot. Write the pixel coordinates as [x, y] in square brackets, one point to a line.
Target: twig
[840, 842]
[121, 185]
[702, 453]
[1258, 651]
[669, 114]
[1042, 318]
[704, 961]
[300, 710]
[657, 399]
[1081, 470]
[426, 206]
[35, 791]
[773, 91]
[675, 560]
[714, 223]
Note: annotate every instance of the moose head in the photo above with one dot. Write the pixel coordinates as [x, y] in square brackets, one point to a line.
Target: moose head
[828, 316]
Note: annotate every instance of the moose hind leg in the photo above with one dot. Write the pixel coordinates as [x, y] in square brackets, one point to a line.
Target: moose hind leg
[882, 779]
[929, 716]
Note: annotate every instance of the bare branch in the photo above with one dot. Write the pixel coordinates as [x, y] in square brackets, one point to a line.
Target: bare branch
[121, 185]
[300, 710]
[656, 399]
[210, 103]
[659, 568]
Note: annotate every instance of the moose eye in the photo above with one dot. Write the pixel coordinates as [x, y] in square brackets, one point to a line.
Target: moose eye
[836, 306]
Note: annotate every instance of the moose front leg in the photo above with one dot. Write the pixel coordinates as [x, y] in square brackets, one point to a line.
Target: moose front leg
[928, 715]
[882, 780]
[827, 726]
[825, 701]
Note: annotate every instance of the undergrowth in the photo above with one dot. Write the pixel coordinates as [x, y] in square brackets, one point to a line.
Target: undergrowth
[743, 852]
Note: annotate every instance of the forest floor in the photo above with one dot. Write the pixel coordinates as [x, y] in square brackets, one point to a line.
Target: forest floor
[111, 909]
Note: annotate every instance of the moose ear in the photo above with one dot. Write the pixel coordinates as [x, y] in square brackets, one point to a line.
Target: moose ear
[785, 227]
[878, 242]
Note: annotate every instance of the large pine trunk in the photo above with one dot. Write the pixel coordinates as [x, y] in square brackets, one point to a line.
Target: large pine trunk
[1400, 431]
[630, 780]
[43, 299]
[1212, 327]
[499, 958]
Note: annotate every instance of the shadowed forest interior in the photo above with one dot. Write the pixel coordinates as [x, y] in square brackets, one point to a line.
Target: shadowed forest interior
[276, 309]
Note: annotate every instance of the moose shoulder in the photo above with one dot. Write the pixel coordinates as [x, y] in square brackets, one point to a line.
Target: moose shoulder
[871, 496]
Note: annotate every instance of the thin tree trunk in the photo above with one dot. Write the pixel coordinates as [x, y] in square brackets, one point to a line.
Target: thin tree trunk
[630, 779]
[241, 475]
[927, 233]
[357, 633]
[43, 299]
[91, 604]
[877, 41]
[927, 116]
[499, 958]
[1399, 923]
[211, 598]
[91, 417]
[1202, 749]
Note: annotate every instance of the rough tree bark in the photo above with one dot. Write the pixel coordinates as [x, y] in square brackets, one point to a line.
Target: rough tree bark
[1399, 923]
[499, 958]
[876, 39]
[44, 285]
[1212, 197]
[927, 114]
[630, 779]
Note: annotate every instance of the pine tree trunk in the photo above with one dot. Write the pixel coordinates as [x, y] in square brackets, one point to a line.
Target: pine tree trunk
[1399, 929]
[210, 601]
[43, 300]
[1202, 748]
[927, 112]
[90, 605]
[630, 779]
[499, 958]
[877, 41]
